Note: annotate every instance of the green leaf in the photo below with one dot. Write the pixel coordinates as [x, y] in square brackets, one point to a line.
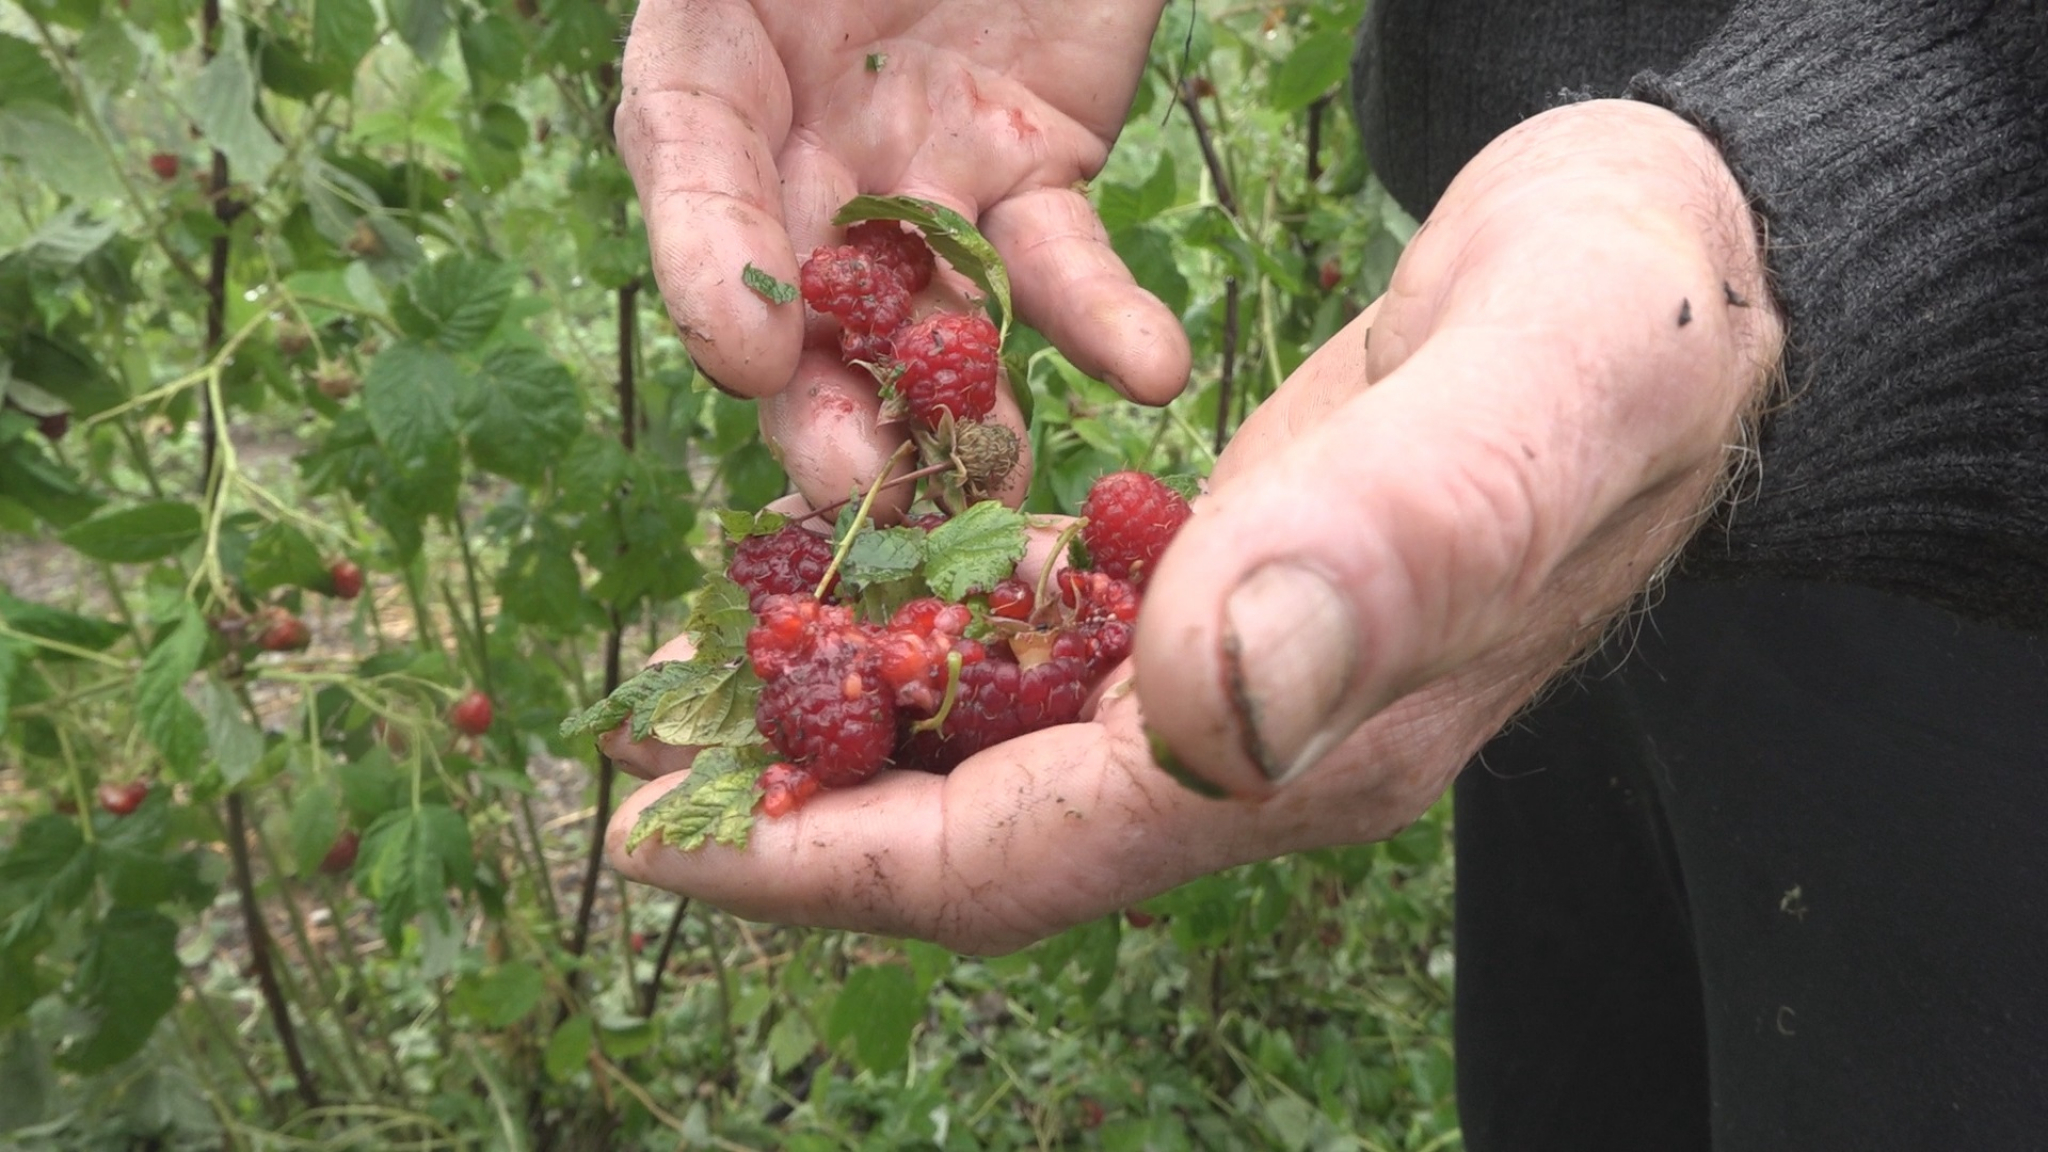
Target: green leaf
[569, 1048]
[1317, 62]
[721, 619]
[43, 486]
[636, 695]
[26, 75]
[879, 1008]
[454, 302]
[422, 25]
[168, 720]
[12, 657]
[56, 624]
[281, 556]
[951, 235]
[767, 287]
[501, 996]
[714, 705]
[138, 533]
[409, 397]
[127, 980]
[541, 584]
[409, 859]
[524, 414]
[494, 51]
[713, 804]
[236, 744]
[344, 31]
[740, 525]
[880, 556]
[974, 550]
[317, 817]
[56, 153]
[222, 99]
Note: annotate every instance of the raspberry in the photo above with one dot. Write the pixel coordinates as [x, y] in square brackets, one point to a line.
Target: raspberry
[996, 702]
[792, 629]
[788, 560]
[948, 364]
[863, 294]
[830, 718]
[1011, 600]
[864, 347]
[1132, 517]
[904, 253]
[1104, 611]
[911, 655]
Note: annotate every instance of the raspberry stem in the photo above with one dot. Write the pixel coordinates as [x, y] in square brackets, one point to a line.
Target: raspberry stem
[859, 517]
[1052, 561]
[906, 478]
[945, 702]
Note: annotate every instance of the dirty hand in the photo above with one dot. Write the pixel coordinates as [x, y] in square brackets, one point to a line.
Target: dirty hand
[1437, 511]
[747, 125]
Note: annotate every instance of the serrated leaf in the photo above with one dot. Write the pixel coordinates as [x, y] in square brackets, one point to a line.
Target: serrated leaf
[636, 694]
[879, 1008]
[525, 412]
[222, 98]
[168, 720]
[344, 31]
[951, 235]
[501, 996]
[26, 75]
[127, 980]
[881, 556]
[409, 398]
[55, 152]
[740, 525]
[409, 859]
[454, 302]
[721, 619]
[569, 1048]
[56, 624]
[713, 705]
[317, 818]
[279, 556]
[136, 534]
[766, 286]
[1188, 487]
[235, 743]
[713, 804]
[1316, 63]
[974, 550]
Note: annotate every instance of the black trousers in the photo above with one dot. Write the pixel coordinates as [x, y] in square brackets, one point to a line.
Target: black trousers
[1772, 874]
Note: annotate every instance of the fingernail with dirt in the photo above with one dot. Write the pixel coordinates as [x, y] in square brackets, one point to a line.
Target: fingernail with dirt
[1289, 657]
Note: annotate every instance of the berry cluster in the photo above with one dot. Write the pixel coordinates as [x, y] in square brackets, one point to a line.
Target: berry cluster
[938, 681]
[945, 364]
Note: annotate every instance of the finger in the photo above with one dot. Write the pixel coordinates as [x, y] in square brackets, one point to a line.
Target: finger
[651, 758]
[706, 108]
[1020, 842]
[1071, 285]
[1426, 520]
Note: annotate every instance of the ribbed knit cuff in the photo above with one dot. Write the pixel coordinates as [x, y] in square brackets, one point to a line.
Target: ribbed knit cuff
[1894, 151]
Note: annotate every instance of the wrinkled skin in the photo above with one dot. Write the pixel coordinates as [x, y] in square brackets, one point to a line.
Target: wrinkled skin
[1433, 515]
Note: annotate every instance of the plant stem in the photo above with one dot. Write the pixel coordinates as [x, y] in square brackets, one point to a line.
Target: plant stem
[259, 952]
[867, 502]
[650, 992]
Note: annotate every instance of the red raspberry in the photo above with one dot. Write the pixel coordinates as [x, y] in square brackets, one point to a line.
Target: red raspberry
[1132, 517]
[911, 655]
[788, 560]
[865, 348]
[999, 701]
[829, 716]
[784, 788]
[790, 629]
[1011, 600]
[904, 253]
[863, 294]
[948, 364]
[1104, 611]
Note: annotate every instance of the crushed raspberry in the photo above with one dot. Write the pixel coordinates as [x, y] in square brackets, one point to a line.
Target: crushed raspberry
[902, 252]
[786, 561]
[862, 293]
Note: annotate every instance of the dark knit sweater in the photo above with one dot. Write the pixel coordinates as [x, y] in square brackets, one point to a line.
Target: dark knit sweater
[1897, 151]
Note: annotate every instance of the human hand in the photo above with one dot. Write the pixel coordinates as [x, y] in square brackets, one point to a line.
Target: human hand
[1436, 512]
[747, 125]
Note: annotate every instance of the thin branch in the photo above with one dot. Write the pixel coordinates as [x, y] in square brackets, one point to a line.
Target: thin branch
[1228, 377]
[259, 952]
[650, 992]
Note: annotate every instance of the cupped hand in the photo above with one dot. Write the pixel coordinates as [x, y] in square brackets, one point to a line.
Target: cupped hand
[747, 125]
[1435, 514]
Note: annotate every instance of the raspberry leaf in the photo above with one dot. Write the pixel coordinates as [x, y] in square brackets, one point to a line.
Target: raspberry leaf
[628, 698]
[766, 286]
[1186, 485]
[715, 803]
[740, 525]
[975, 549]
[950, 234]
[720, 621]
[882, 555]
[714, 705]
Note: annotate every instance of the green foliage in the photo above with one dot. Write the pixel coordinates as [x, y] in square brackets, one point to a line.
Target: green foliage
[338, 280]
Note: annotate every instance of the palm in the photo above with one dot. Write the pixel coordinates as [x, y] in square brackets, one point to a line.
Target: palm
[746, 127]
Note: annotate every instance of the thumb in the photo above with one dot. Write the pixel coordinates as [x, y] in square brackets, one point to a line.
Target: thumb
[1451, 510]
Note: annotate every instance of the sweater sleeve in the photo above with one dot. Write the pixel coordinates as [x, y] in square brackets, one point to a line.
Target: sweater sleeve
[1894, 152]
